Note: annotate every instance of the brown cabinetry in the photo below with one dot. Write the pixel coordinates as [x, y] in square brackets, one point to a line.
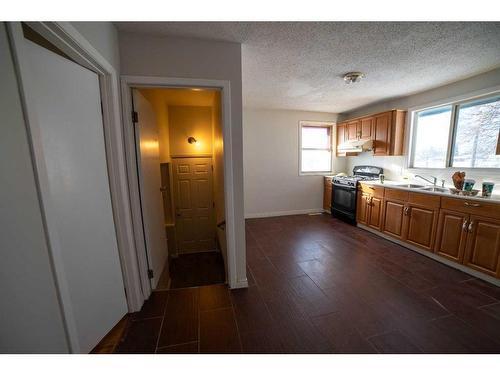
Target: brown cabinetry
[451, 235]
[483, 245]
[327, 194]
[369, 206]
[385, 129]
[462, 230]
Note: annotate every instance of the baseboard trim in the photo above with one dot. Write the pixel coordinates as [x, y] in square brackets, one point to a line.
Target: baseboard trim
[239, 284]
[433, 256]
[284, 213]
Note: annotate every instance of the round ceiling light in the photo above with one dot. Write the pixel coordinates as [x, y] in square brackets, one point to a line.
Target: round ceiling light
[353, 77]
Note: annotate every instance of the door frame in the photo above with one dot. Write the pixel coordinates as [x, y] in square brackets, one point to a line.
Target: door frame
[71, 42]
[127, 84]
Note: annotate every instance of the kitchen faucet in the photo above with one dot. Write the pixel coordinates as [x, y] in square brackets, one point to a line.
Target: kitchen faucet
[434, 179]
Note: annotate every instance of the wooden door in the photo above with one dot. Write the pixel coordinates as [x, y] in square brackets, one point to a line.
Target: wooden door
[362, 207]
[381, 134]
[451, 235]
[194, 207]
[393, 218]
[352, 130]
[483, 245]
[341, 135]
[420, 226]
[327, 194]
[365, 128]
[148, 160]
[375, 213]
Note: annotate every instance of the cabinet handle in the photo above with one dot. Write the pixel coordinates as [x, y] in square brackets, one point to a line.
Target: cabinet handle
[472, 204]
[464, 226]
[470, 226]
[406, 210]
[371, 187]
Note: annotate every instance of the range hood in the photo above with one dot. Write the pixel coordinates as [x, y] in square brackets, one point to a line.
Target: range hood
[356, 146]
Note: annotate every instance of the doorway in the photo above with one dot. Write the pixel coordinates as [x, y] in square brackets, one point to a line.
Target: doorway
[180, 167]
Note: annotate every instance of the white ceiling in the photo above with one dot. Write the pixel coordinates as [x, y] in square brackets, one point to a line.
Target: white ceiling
[293, 65]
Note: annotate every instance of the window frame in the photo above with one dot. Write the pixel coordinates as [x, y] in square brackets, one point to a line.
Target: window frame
[320, 124]
[455, 103]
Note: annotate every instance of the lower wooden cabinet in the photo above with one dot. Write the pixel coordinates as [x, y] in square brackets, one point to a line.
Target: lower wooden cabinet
[393, 218]
[483, 245]
[362, 207]
[421, 226]
[327, 194]
[375, 212]
[451, 235]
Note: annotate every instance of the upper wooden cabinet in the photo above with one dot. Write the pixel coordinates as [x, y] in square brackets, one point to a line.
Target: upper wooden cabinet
[386, 129]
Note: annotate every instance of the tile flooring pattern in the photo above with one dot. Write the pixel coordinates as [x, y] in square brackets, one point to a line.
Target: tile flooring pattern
[197, 269]
[318, 285]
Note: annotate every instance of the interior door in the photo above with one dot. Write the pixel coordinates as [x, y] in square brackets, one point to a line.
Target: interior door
[194, 210]
[66, 104]
[148, 159]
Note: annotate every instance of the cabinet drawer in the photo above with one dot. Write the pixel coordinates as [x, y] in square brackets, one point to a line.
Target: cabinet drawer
[426, 200]
[474, 207]
[400, 195]
[376, 191]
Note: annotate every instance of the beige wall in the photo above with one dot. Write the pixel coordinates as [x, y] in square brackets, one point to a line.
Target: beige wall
[271, 163]
[395, 167]
[190, 121]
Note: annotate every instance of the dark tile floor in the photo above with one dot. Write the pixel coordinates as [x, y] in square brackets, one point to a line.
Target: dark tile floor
[318, 285]
[197, 269]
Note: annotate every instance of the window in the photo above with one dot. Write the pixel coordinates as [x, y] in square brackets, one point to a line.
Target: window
[315, 148]
[461, 135]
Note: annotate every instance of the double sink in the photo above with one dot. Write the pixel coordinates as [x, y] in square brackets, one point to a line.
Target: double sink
[435, 189]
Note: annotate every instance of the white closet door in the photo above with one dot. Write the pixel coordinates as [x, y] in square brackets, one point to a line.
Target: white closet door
[150, 183]
[70, 155]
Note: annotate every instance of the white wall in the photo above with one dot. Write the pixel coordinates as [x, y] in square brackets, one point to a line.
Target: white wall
[395, 166]
[194, 58]
[104, 38]
[30, 316]
[271, 163]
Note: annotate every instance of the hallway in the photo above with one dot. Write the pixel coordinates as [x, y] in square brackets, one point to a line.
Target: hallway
[318, 285]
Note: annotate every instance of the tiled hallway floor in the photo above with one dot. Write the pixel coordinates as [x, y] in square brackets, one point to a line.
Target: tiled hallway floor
[318, 285]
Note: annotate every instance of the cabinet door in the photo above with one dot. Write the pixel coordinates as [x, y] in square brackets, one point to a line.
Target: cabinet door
[451, 235]
[365, 128]
[483, 245]
[327, 194]
[352, 130]
[421, 226]
[341, 134]
[362, 208]
[375, 213]
[381, 134]
[393, 218]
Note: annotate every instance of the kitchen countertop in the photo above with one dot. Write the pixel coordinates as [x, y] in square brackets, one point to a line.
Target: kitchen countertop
[495, 198]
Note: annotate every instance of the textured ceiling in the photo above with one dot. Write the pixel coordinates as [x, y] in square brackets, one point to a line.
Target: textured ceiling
[294, 65]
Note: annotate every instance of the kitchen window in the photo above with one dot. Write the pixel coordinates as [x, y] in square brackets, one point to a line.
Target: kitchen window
[315, 148]
[461, 135]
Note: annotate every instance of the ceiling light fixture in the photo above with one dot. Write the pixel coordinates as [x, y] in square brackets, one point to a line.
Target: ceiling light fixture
[191, 140]
[353, 77]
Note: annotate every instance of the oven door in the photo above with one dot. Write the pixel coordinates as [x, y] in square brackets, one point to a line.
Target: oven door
[344, 201]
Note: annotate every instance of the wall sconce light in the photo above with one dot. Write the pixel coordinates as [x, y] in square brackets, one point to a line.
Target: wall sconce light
[191, 140]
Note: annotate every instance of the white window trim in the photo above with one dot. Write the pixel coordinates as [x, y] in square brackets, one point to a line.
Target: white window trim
[329, 124]
[454, 102]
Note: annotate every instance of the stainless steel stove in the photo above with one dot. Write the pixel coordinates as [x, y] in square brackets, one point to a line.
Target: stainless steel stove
[345, 190]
